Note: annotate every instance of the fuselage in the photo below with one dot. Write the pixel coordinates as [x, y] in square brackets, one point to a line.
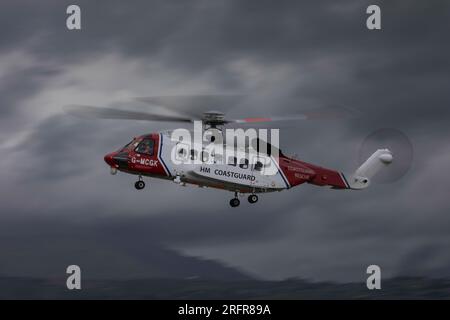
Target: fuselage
[157, 155]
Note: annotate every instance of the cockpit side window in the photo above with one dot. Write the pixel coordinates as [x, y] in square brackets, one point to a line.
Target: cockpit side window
[146, 147]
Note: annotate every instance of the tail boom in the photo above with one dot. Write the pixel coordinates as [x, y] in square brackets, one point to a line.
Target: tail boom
[298, 172]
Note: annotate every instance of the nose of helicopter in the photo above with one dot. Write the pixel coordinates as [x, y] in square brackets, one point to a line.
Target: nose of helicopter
[109, 159]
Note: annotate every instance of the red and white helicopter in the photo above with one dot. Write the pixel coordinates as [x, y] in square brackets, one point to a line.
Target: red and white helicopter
[158, 155]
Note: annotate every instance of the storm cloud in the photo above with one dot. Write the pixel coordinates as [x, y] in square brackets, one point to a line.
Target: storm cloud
[286, 55]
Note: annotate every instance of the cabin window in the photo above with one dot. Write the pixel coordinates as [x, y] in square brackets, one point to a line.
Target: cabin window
[218, 158]
[244, 164]
[182, 152]
[205, 156]
[146, 147]
[194, 154]
[258, 166]
[232, 161]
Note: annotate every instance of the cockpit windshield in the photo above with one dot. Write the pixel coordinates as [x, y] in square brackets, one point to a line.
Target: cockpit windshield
[130, 145]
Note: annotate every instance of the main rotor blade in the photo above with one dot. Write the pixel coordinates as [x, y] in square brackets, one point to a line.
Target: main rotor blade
[324, 113]
[110, 113]
[194, 105]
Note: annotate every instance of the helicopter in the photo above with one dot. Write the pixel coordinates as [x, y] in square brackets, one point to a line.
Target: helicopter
[238, 169]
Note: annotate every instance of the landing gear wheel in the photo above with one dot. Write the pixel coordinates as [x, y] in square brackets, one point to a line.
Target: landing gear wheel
[253, 198]
[139, 185]
[234, 202]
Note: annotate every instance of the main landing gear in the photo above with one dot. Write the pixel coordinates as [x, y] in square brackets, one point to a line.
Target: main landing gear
[253, 198]
[235, 201]
[140, 184]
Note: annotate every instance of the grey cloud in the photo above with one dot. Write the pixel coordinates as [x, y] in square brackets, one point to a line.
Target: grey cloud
[292, 54]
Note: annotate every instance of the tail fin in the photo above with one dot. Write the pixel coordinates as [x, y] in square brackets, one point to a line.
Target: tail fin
[377, 161]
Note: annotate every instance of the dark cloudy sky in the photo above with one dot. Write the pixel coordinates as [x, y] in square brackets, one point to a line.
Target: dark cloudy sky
[56, 192]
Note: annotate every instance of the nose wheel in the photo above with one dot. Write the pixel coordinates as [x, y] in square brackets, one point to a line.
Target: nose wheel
[139, 185]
